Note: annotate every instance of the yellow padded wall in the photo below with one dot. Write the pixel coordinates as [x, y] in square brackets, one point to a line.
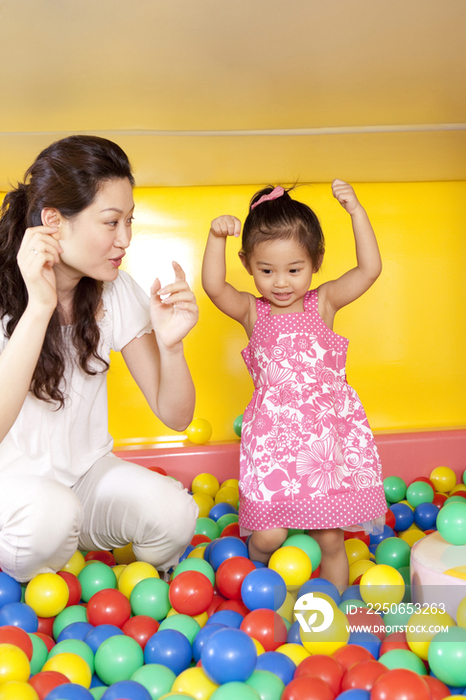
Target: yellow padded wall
[407, 333]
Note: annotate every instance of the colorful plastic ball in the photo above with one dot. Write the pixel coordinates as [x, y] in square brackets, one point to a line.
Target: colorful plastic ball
[451, 524]
[191, 593]
[412, 536]
[101, 555]
[117, 658]
[157, 679]
[133, 574]
[351, 654]
[443, 478]
[225, 548]
[308, 544]
[229, 618]
[447, 656]
[75, 564]
[127, 689]
[267, 684]
[14, 664]
[77, 630]
[238, 424]
[96, 577]
[308, 688]
[293, 565]
[366, 619]
[45, 681]
[357, 569]
[230, 576]
[321, 585]
[393, 552]
[150, 597]
[227, 494]
[419, 492]
[204, 503]
[69, 691]
[362, 675]
[367, 640]
[169, 648]
[17, 690]
[404, 516]
[72, 666]
[225, 520]
[202, 637]
[403, 658]
[10, 590]
[195, 683]
[356, 550]
[182, 623]
[377, 537]
[438, 690]
[74, 646]
[197, 565]
[47, 594]
[19, 615]
[199, 431]
[352, 592]
[321, 666]
[279, 664]
[124, 555]
[140, 628]
[108, 607]
[382, 585]
[220, 509]
[263, 588]
[395, 489]
[205, 484]
[99, 634]
[425, 515]
[400, 684]
[228, 655]
[294, 651]
[18, 637]
[74, 587]
[327, 641]
[39, 654]
[267, 626]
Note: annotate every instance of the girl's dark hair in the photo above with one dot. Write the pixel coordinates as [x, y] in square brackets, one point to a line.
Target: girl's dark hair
[281, 219]
[65, 176]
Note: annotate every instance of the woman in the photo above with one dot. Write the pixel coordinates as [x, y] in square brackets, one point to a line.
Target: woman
[63, 306]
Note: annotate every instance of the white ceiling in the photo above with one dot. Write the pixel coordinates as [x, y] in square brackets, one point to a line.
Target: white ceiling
[250, 91]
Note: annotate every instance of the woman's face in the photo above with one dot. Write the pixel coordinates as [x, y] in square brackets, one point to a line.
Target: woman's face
[94, 242]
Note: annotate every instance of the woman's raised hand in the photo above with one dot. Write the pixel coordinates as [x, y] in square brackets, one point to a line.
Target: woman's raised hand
[39, 251]
[174, 315]
[345, 194]
[226, 225]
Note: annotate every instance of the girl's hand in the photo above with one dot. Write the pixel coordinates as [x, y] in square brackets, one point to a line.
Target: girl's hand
[346, 195]
[174, 315]
[226, 225]
[39, 252]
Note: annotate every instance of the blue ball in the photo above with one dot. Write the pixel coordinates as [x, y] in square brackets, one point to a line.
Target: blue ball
[130, 690]
[351, 593]
[99, 634]
[202, 636]
[10, 590]
[354, 694]
[263, 588]
[69, 691]
[373, 547]
[220, 509]
[19, 615]
[279, 664]
[229, 618]
[229, 655]
[226, 548]
[96, 682]
[187, 551]
[367, 640]
[320, 585]
[404, 516]
[77, 630]
[387, 532]
[425, 515]
[169, 648]
[294, 636]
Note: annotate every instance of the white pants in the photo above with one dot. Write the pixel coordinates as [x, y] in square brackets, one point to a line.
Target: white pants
[43, 522]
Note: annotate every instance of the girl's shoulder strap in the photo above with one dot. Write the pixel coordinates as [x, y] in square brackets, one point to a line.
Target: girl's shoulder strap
[262, 307]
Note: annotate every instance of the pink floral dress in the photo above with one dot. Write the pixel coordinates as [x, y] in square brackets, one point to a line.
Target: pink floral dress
[308, 456]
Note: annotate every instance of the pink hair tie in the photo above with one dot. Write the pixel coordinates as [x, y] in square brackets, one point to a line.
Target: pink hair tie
[275, 194]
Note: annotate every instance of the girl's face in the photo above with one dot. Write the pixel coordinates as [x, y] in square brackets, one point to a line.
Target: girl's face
[94, 242]
[282, 272]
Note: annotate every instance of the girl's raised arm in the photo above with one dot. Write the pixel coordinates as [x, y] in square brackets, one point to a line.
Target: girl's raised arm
[232, 302]
[342, 291]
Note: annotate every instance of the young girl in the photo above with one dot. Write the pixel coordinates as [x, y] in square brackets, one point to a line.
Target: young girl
[308, 457]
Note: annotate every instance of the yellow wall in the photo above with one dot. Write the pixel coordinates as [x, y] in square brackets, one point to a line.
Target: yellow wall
[407, 335]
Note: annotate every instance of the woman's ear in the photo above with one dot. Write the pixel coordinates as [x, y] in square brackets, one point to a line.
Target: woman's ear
[243, 259]
[319, 261]
[51, 217]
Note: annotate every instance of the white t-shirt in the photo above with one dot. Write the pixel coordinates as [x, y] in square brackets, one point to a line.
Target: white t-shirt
[63, 444]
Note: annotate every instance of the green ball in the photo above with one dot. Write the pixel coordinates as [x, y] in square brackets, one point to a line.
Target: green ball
[157, 679]
[419, 492]
[96, 577]
[345, 605]
[98, 691]
[74, 646]
[39, 654]
[196, 565]
[395, 489]
[117, 658]
[447, 656]
[181, 623]
[402, 658]
[238, 424]
[453, 499]
[393, 551]
[235, 690]
[225, 520]
[451, 523]
[268, 685]
[208, 527]
[405, 571]
[150, 597]
[75, 613]
[398, 615]
[308, 545]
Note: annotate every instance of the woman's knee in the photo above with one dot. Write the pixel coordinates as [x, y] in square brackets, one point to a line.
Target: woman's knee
[269, 540]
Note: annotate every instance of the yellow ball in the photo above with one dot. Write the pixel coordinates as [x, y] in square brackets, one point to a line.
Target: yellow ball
[455, 489]
[14, 664]
[356, 550]
[358, 568]
[234, 483]
[47, 594]
[199, 431]
[205, 504]
[72, 666]
[418, 635]
[76, 564]
[461, 614]
[329, 640]
[287, 608]
[195, 683]
[412, 536]
[124, 555]
[133, 574]
[205, 484]
[382, 584]
[443, 478]
[118, 569]
[295, 652]
[227, 494]
[406, 503]
[293, 565]
[259, 648]
[16, 690]
[197, 553]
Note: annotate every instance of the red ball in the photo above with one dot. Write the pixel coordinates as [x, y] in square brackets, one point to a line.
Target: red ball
[439, 499]
[363, 675]
[45, 681]
[371, 621]
[400, 684]
[425, 479]
[359, 535]
[236, 605]
[215, 604]
[74, 587]
[48, 641]
[322, 666]
[10, 634]
[231, 574]
[438, 690]
[105, 557]
[231, 530]
[395, 640]
[108, 607]
[45, 625]
[308, 688]
[200, 539]
[316, 573]
[140, 628]
[267, 627]
[191, 593]
[390, 519]
[351, 654]
[159, 470]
